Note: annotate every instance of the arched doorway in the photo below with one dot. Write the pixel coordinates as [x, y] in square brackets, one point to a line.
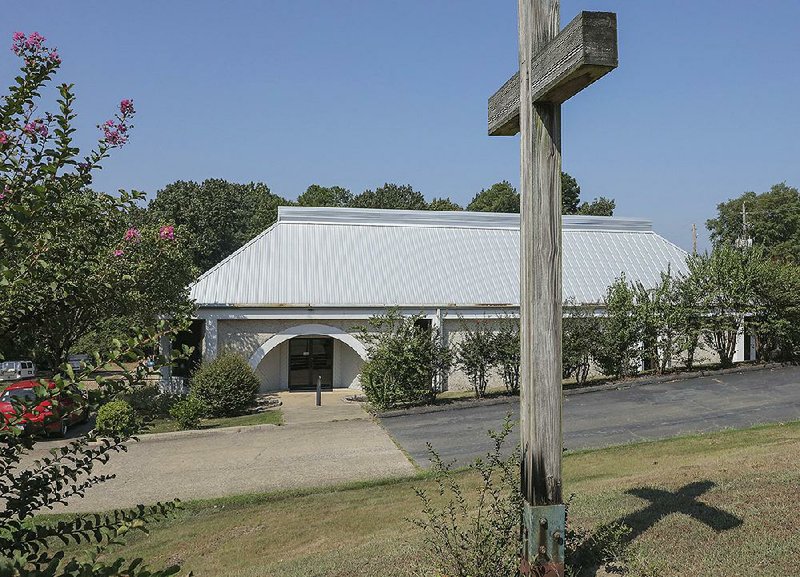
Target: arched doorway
[297, 357]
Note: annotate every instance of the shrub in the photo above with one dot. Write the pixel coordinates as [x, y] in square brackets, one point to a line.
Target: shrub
[227, 385]
[188, 412]
[467, 537]
[619, 352]
[471, 532]
[149, 402]
[581, 339]
[404, 359]
[507, 351]
[116, 419]
[476, 354]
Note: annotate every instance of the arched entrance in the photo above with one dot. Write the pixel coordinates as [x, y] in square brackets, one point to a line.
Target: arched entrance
[297, 357]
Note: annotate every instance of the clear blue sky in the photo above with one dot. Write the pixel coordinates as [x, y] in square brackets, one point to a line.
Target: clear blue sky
[703, 107]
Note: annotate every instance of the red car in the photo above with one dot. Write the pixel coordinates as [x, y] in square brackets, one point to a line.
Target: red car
[44, 417]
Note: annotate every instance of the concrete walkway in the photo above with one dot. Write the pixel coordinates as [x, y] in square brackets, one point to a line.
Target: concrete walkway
[317, 446]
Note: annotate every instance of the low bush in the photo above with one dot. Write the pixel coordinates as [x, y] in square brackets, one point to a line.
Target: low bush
[149, 402]
[188, 412]
[469, 535]
[227, 385]
[116, 419]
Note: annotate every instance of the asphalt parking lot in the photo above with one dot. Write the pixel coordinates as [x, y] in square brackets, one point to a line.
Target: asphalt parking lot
[613, 417]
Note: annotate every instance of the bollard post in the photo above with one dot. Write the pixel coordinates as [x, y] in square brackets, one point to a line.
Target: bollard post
[319, 391]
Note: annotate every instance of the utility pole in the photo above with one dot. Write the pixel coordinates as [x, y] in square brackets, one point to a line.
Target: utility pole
[694, 239]
[745, 241]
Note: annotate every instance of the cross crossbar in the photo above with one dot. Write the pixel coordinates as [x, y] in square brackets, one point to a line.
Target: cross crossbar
[583, 52]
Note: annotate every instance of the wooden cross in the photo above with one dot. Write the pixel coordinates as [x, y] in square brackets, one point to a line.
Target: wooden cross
[553, 67]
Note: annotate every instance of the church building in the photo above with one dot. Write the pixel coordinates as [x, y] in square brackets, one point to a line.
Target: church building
[290, 300]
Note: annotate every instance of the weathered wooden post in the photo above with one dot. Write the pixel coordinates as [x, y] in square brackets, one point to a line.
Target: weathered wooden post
[553, 67]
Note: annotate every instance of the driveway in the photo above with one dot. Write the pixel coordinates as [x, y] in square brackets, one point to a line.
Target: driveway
[332, 444]
[604, 418]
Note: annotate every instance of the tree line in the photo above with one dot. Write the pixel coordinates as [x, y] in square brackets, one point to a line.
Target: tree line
[221, 216]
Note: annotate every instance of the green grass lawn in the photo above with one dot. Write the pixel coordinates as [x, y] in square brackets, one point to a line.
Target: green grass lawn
[751, 478]
[272, 417]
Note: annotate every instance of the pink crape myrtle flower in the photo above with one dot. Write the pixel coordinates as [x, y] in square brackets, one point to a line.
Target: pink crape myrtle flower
[133, 235]
[34, 40]
[33, 45]
[3, 138]
[35, 127]
[112, 133]
[119, 252]
[167, 232]
[126, 106]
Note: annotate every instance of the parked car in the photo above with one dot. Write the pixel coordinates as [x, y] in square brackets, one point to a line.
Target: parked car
[15, 370]
[44, 417]
[76, 360]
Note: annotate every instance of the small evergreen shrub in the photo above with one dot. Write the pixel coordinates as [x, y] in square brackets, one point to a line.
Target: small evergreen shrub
[116, 419]
[188, 412]
[227, 385]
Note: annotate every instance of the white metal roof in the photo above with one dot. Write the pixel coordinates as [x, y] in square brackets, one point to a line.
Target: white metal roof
[372, 257]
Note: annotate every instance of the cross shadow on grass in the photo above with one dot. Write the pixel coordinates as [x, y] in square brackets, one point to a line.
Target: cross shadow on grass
[684, 500]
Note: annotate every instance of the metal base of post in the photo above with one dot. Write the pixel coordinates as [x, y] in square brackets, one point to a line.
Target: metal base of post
[543, 540]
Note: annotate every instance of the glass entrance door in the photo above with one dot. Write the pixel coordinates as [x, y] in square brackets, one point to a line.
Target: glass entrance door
[310, 359]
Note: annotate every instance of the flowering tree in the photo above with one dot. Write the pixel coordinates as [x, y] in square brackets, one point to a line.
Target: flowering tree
[69, 265]
[56, 256]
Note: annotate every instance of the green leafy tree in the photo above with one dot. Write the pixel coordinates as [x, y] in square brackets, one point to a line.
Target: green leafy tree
[500, 197]
[476, 354]
[507, 349]
[404, 360]
[581, 337]
[659, 312]
[690, 319]
[219, 216]
[774, 317]
[316, 195]
[773, 221]
[443, 204]
[570, 194]
[391, 195]
[39, 168]
[725, 283]
[598, 207]
[619, 351]
[116, 279]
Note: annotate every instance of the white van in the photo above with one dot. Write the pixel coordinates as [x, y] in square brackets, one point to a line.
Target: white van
[16, 370]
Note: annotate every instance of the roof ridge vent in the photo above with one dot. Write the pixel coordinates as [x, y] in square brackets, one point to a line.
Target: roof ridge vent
[446, 219]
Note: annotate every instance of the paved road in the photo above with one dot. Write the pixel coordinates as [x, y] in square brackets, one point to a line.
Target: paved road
[618, 416]
[332, 444]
